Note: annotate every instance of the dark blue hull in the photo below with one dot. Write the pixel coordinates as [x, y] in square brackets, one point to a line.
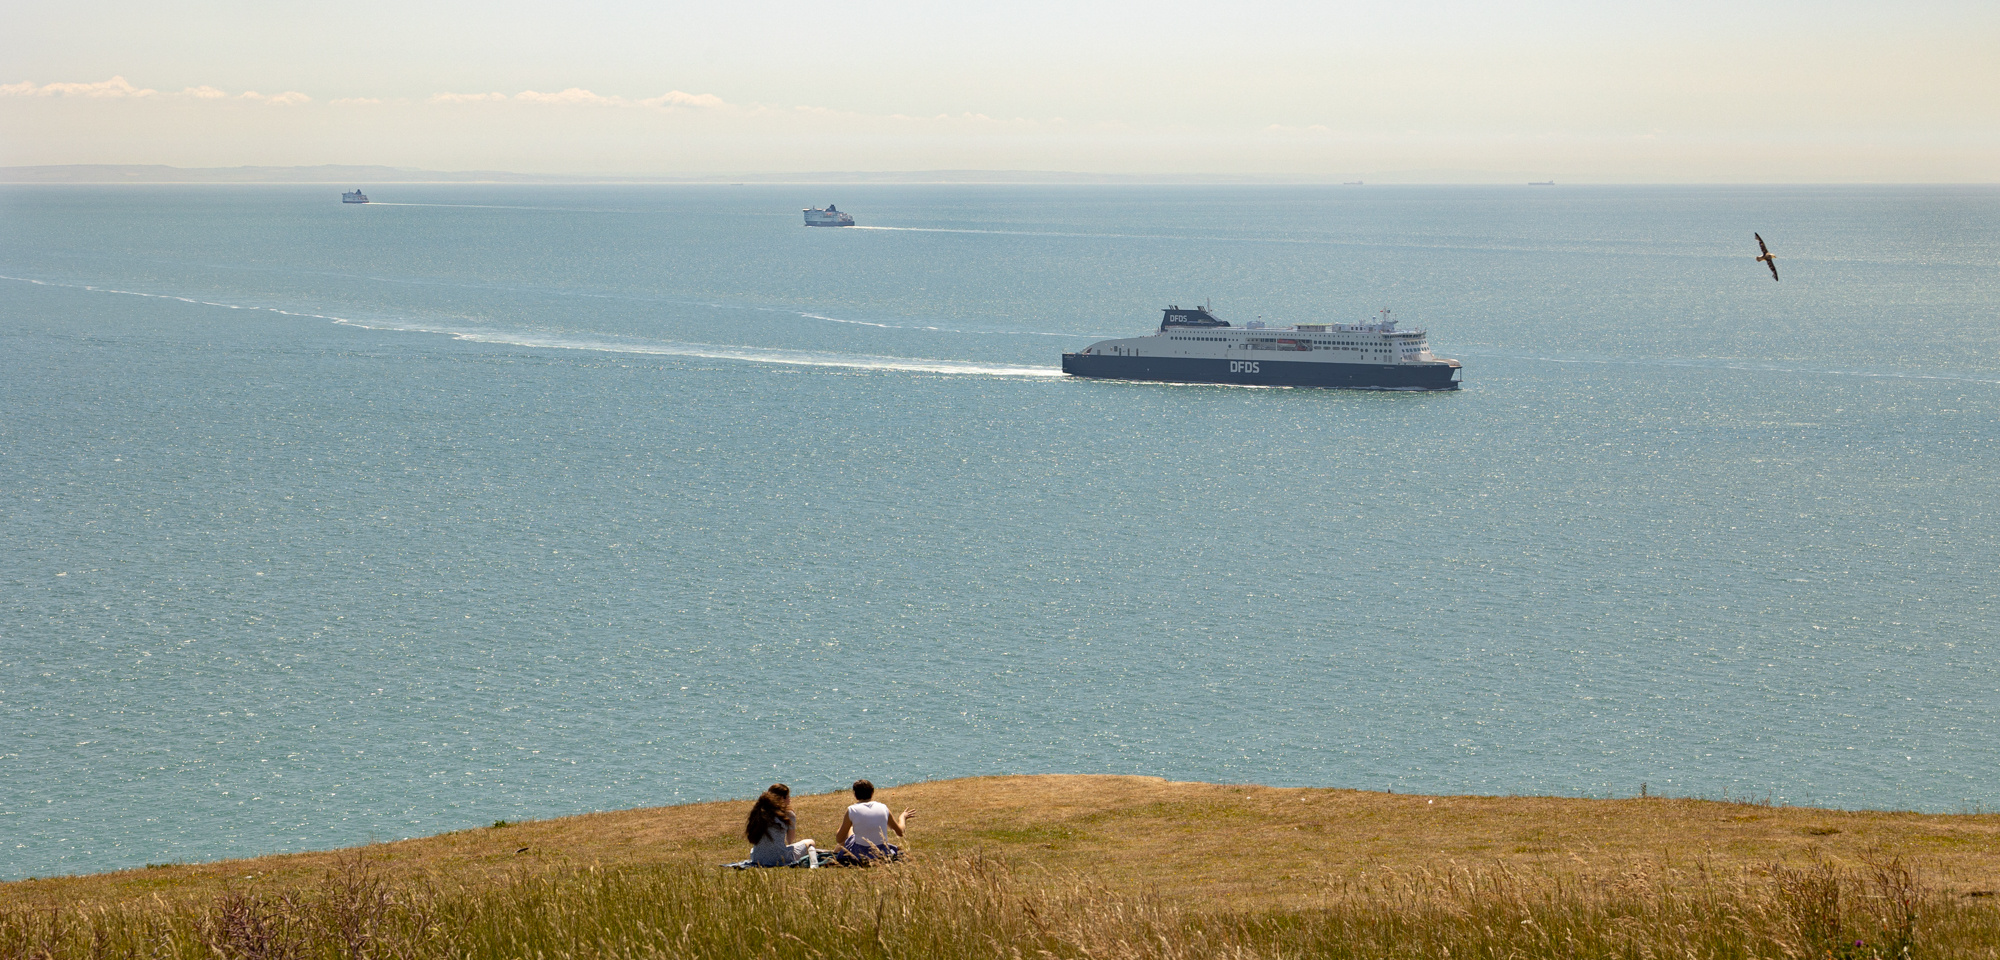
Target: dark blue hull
[1266, 373]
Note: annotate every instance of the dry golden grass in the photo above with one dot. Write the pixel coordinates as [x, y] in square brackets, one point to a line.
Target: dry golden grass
[1202, 845]
[1089, 867]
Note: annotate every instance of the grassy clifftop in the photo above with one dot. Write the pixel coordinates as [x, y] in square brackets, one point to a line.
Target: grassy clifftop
[1090, 865]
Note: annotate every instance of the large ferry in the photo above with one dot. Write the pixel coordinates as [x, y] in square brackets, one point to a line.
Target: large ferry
[356, 197]
[1193, 346]
[830, 217]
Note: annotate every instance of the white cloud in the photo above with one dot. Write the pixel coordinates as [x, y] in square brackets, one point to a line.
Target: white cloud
[119, 88]
[289, 98]
[676, 98]
[573, 95]
[114, 88]
[956, 119]
[577, 96]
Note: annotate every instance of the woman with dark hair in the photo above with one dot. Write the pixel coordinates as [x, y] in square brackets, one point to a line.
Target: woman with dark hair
[773, 831]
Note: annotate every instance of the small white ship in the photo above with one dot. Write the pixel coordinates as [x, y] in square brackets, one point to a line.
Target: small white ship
[356, 197]
[830, 217]
[1193, 346]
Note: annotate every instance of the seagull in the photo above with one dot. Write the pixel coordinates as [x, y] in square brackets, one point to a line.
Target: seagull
[1767, 258]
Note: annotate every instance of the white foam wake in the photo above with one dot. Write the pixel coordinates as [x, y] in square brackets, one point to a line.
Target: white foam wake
[1057, 233]
[928, 328]
[711, 351]
[493, 206]
[801, 358]
[632, 298]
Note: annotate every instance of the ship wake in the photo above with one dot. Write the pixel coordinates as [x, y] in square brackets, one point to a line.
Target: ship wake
[631, 346]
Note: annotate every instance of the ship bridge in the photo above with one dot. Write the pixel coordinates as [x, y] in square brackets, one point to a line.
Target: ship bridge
[1189, 317]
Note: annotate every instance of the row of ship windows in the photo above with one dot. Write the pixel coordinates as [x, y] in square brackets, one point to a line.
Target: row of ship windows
[1275, 345]
[1303, 346]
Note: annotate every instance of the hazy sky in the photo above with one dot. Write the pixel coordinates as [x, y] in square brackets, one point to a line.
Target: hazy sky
[1749, 90]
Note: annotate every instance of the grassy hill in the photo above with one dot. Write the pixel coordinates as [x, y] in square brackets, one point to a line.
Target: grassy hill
[1089, 866]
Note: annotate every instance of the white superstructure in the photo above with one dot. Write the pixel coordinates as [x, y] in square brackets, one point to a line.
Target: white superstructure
[1377, 342]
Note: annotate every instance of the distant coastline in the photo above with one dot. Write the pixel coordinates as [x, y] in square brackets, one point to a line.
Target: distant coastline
[375, 174]
[351, 174]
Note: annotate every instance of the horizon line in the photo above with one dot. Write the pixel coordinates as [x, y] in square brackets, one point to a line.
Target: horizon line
[160, 174]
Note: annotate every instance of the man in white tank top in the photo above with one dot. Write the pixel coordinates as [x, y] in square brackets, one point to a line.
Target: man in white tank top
[864, 832]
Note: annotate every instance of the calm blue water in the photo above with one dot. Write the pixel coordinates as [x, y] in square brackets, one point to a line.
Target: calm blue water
[326, 523]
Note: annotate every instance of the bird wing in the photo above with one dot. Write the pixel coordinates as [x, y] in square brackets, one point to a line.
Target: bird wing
[1772, 262]
[1761, 248]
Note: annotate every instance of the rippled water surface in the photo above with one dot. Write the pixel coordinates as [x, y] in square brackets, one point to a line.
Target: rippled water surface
[326, 523]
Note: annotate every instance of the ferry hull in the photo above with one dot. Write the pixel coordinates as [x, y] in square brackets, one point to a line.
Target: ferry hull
[1266, 373]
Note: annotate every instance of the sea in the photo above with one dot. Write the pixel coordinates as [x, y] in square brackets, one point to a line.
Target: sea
[324, 524]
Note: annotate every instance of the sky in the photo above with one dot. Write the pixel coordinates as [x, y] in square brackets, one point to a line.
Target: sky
[1419, 91]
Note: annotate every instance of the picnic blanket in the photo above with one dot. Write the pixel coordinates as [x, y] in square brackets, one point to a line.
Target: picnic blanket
[816, 860]
[813, 860]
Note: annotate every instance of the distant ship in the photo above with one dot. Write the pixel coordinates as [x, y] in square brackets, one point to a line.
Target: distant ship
[830, 217]
[1192, 346]
[355, 197]
[1541, 183]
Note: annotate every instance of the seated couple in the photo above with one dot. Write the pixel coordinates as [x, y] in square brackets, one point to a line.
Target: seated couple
[773, 831]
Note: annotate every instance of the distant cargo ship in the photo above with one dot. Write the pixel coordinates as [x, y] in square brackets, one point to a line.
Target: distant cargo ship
[830, 217]
[355, 197]
[1192, 346]
[1541, 183]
